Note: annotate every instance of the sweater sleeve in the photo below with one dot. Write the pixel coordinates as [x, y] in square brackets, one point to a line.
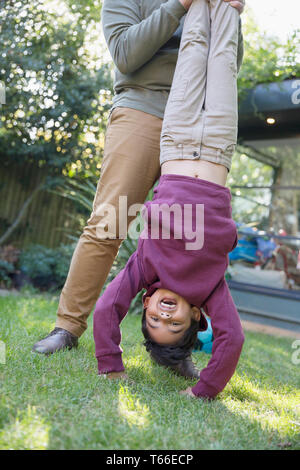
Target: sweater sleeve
[110, 310]
[227, 343]
[132, 41]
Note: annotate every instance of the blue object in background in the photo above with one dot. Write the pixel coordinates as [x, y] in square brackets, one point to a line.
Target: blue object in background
[265, 246]
[246, 250]
[251, 246]
[205, 339]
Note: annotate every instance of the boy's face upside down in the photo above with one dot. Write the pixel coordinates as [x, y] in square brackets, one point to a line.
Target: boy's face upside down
[168, 316]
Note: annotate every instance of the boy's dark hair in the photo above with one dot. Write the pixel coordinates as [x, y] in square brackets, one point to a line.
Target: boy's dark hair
[170, 355]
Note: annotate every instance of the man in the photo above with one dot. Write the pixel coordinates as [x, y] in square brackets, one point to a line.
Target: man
[143, 38]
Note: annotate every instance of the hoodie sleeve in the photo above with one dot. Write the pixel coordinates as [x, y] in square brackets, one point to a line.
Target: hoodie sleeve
[227, 345]
[110, 310]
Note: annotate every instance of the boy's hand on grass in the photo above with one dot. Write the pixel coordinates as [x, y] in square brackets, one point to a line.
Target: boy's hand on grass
[117, 375]
[188, 392]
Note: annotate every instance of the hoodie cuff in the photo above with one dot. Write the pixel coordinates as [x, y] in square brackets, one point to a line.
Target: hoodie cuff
[175, 8]
[202, 390]
[111, 363]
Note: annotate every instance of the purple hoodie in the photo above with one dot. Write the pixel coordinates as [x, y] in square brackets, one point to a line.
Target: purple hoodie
[197, 275]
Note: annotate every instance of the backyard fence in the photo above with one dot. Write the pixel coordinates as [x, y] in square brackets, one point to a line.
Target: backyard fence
[46, 216]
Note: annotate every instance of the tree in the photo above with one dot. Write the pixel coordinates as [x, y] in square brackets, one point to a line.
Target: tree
[57, 95]
[57, 91]
[266, 58]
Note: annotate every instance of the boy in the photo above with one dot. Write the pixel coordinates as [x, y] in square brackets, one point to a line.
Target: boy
[181, 275]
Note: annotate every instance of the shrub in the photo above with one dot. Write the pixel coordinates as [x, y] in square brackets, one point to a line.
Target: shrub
[46, 267]
[6, 269]
[9, 256]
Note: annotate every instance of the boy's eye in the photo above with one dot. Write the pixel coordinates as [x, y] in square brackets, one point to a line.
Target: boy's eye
[154, 318]
[175, 324]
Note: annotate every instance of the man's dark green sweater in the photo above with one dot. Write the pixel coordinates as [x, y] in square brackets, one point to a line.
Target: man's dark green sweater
[143, 38]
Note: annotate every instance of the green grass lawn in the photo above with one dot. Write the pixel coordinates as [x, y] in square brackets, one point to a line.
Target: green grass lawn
[59, 402]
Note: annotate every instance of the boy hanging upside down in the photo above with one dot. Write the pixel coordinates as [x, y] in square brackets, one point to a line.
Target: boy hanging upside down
[182, 254]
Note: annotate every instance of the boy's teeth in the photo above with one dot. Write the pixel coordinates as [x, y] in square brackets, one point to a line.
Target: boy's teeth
[167, 303]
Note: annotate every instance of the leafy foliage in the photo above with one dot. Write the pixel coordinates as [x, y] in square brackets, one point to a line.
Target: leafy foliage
[6, 269]
[266, 58]
[57, 95]
[46, 267]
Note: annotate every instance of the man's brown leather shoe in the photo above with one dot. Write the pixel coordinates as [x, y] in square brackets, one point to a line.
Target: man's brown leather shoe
[186, 368]
[58, 339]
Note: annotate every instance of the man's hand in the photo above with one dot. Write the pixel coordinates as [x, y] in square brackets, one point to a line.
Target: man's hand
[238, 4]
[186, 3]
[188, 392]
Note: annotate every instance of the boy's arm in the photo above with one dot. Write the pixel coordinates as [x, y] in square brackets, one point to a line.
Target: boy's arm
[227, 345]
[132, 41]
[110, 310]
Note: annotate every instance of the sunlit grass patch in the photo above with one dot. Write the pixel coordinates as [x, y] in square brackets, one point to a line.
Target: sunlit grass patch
[130, 408]
[28, 432]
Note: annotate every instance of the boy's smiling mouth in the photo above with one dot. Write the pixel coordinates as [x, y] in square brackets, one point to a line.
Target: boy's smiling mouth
[168, 303]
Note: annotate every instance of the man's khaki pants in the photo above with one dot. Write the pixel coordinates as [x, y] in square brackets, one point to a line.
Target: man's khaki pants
[130, 167]
[200, 120]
